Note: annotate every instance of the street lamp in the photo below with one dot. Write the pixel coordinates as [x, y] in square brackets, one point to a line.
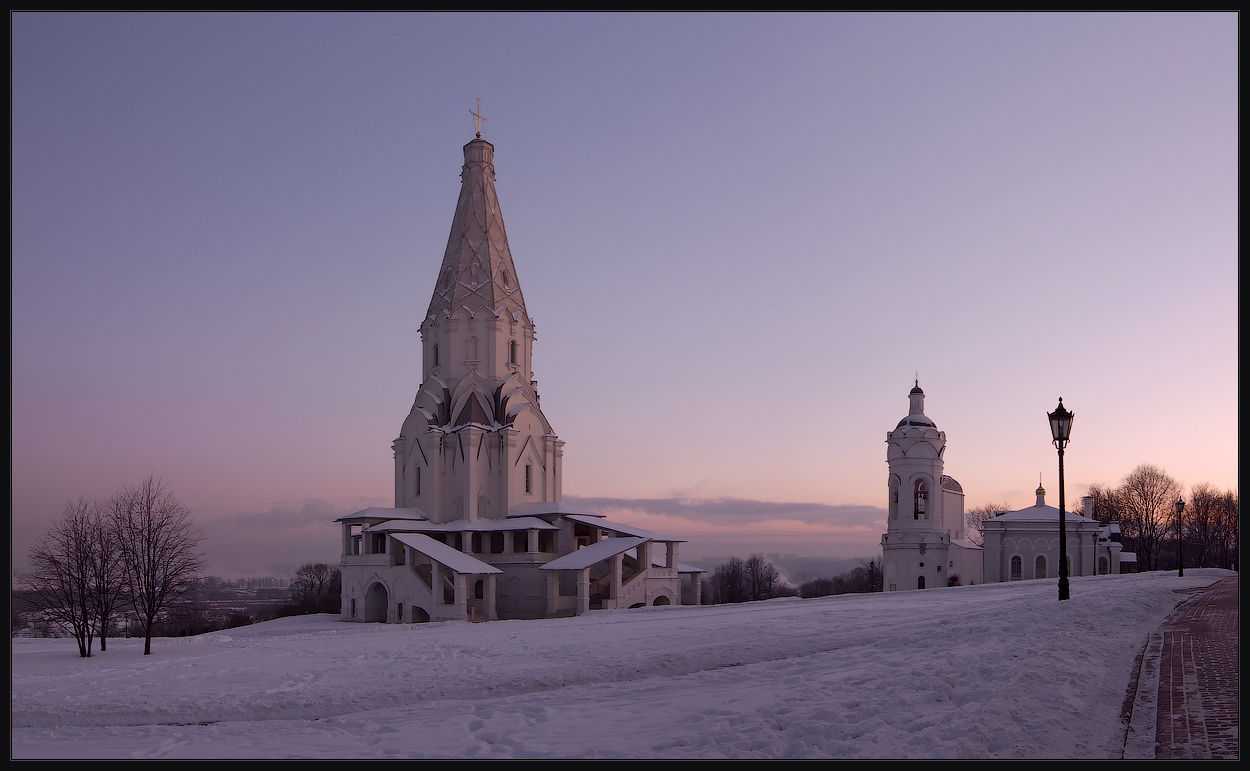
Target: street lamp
[1061, 430]
[1180, 553]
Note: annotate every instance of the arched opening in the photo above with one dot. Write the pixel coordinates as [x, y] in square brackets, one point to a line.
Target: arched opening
[920, 503]
[920, 582]
[375, 604]
[479, 590]
[1102, 566]
[638, 605]
[419, 616]
[1017, 566]
[1039, 566]
[661, 600]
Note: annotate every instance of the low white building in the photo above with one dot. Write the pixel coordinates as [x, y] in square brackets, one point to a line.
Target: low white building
[478, 530]
[1025, 543]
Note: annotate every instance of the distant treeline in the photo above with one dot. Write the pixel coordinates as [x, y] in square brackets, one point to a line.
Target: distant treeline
[757, 578]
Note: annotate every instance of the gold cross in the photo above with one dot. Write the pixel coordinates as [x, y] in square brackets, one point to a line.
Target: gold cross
[478, 119]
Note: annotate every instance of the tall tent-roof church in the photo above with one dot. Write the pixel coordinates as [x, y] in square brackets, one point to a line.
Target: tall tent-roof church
[478, 530]
[926, 546]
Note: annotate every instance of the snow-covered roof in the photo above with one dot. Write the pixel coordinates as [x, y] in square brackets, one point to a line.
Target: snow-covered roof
[1039, 514]
[595, 552]
[550, 507]
[445, 555]
[467, 526]
[376, 512]
[689, 569]
[619, 528]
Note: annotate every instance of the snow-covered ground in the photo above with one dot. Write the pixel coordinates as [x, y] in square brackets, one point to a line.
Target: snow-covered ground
[1003, 671]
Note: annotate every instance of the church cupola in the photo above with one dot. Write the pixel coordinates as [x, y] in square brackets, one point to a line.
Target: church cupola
[1041, 493]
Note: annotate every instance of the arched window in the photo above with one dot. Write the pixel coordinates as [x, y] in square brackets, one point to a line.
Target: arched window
[893, 497]
[436, 354]
[512, 352]
[470, 349]
[1039, 566]
[920, 582]
[1016, 568]
[921, 500]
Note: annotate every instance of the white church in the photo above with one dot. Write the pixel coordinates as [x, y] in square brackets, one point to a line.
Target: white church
[925, 545]
[478, 531]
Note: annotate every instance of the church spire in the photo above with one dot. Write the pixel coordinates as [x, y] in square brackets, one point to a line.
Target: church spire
[477, 270]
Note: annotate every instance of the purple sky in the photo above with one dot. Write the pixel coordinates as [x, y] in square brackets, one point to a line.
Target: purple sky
[740, 236]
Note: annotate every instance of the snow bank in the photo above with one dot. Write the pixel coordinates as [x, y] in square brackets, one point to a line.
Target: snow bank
[1003, 670]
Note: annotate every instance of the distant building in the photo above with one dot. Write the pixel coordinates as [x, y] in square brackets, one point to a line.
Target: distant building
[478, 530]
[925, 546]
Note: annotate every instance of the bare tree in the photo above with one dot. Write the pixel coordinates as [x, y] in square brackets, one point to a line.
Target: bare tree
[1230, 515]
[1202, 520]
[974, 517]
[729, 582]
[317, 588]
[60, 583]
[762, 578]
[107, 573]
[159, 549]
[1146, 500]
[1105, 505]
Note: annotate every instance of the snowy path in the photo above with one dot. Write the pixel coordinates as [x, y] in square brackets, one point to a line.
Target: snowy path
[987, 671]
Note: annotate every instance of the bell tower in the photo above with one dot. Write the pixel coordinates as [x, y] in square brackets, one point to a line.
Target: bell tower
[917, 538]
[476, 445]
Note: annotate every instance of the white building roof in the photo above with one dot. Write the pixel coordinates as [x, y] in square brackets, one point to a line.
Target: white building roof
[465, 526]
[619, 528]
[1039, 514]
[550, 507]
[445, 555]
[595, 552]
[375, 512]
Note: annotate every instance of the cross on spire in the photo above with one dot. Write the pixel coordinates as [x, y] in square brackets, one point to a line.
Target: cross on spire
[478, 120]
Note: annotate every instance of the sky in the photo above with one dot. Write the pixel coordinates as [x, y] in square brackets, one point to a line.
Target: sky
[742, 237]
[991, 671]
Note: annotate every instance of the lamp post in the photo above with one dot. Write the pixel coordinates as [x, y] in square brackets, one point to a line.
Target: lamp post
[1061, 431]
[1180, 552]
